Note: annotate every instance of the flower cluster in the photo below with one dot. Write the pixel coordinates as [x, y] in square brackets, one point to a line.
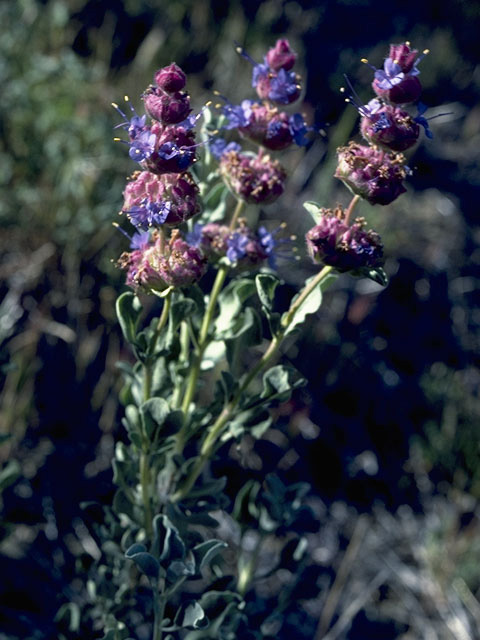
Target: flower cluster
[374, 172]
[242, 246]
[164, 193]
[167, 144]
[255, 179]
[347, 248]
[156, 265]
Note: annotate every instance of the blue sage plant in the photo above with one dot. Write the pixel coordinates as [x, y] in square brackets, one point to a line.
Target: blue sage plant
[180, 554]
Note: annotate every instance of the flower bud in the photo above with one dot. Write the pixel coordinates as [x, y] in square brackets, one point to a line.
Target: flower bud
[371, 173]
[404, 56]
[153, 200]
[390, 127]
[334, 243]
[161, 265]
[257, 179]
[167, 108]
[281, 56]
[173, 151]
[170, 79]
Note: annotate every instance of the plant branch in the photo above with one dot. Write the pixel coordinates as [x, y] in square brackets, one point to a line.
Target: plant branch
[218, 426]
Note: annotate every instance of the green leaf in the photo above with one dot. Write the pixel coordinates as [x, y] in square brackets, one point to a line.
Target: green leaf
[311, 304]
[167, 543]
[206, 551]
[314, 209]
[144, 560]
[231, 302]
[70, 611]
[279, 382]
[190, 615]
[266, 284]
[9, 474]
[153, 412]
[128, 313]
[131, 422]
[377, 275]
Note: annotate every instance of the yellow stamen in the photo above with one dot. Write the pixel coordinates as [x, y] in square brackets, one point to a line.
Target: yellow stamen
[364, 60]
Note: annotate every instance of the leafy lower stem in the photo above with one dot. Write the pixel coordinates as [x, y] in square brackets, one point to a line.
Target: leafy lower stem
[148, 366]
[202, 343]
[216, 430]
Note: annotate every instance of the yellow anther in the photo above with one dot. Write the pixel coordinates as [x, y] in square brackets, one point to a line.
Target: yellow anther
[293, 237]
[114, 105]
[425, 51]
[218, 105]
[407, 43]
[364, 60]
[239, 50]
[207, 104]
[342, 89]
[395, 62]
[117, 139]
[216, 93]
[126, 98]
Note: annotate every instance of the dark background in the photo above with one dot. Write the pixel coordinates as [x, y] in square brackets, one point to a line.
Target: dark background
[391, 413]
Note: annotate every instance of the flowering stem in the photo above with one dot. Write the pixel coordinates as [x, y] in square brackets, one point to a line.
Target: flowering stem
[217, 428]
[145, 476]
[238, 210]
[158, 610]
[148, 370]
[351, 207]
[202, 342]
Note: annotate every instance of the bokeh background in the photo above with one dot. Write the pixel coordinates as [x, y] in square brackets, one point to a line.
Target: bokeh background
[387, 431]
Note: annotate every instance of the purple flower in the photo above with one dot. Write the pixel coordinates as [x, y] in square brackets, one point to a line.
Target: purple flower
[219, 146]
[156, 266]
[390, 127]
[371, 172]
[238, 115]
[299, 129]
[284, 87]
[140, 240]
[244, 247]
[333, 242]
[237, 244]
[153, 200]
[275, 247]
[390, 75]
[397, 81]
[142, 146]
[149, 213]
[255, 179]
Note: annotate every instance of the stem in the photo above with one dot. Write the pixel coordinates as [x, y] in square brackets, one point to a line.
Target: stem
[351, 207]
[145, 476]
[158, 610]
[203, 337]
[145, 485]
[183, 358]
[148, 366]
[217, 427]
[247, 572]
[238, 210]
